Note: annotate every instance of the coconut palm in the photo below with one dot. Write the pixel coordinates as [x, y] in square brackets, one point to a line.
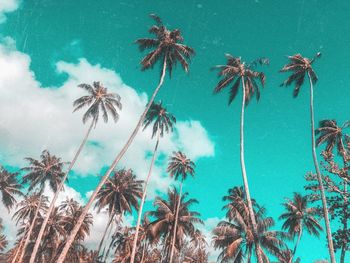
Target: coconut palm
[301, 67]
[167, 213]
[9, 187]
[235, 238]
[98, 101]
[299, 216]
[179, 166]
[168, 49]
[234, 73]
[162, 121]
[120, 195]
[333, 136]
[28, 211]
[3, 241]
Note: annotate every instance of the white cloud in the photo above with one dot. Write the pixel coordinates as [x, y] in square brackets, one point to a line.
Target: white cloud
[7, 6]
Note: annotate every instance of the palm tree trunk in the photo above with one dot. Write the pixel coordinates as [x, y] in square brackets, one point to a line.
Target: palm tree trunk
[245, 179]
[20, 259]
[345, 224]
[60, 186]
[76, 228]
[175, 226]
[109, 248]
[319, 177]
[105, 232]
[134, 247]
[297, 243]
[19, 247]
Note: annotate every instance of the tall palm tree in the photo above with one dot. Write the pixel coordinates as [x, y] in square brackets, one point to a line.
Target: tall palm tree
[299, 216]
[179, 166]
[333, 136]
[9, 187]
[167, 213]
[120, 194]
[300, 68]
[98, 100]
[162, 121]
[28, 210]
[168, 49]
[235, 236]
[235, 72]
[46, 170]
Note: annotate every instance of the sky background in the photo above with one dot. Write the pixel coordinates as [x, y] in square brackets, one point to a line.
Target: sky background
[48, 47]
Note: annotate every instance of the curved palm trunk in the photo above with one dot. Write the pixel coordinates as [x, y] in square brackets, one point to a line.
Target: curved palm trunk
[345, 224]
[296, 244]
[175, 226]
[75, 230]
[104, 233]
[20, 259]
[19, 248]
[319, 177]
[245, 179]
[134, 247]
[52, 204]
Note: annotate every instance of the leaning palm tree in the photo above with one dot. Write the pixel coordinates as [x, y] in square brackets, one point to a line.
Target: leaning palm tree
[167, 213]
[168, 49]
[300, 68]
[235, 72]
[179, 166]
[299, 216]
[46, 170]
[120, 194]
[163, 121]
[333, 136]
[9, 187]
[98, 100]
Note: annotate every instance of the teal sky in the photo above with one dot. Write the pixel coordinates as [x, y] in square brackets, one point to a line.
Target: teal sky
[277, 134]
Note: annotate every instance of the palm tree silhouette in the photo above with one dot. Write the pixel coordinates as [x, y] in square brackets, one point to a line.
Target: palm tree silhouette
[163, 121]
[168, 49]
[9, 187]
[98, 100]
[237, 72]
[301, 67]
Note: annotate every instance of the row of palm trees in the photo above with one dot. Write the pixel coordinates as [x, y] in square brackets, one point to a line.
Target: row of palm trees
[166, 47]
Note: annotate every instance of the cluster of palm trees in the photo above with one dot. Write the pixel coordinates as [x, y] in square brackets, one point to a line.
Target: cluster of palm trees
[51, 232]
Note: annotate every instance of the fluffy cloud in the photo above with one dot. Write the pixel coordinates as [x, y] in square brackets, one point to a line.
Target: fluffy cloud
[7, 6]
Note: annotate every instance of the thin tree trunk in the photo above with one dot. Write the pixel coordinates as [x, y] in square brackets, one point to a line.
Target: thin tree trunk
[297, 243]
[319, 177]
[134, 247]
[345, 224]
[105, 232]
[19, 248]
[30, 231]
[245, 179]
[60, 186]
[109, 248]
[175, 226]
[76, 228]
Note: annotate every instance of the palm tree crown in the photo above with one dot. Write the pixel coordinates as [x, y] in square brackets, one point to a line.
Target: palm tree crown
[47, 169]
[9, 187]
[98, 100]
[167, 46]
[300, 67]
[120, 193]
[180, 166]
[161, 118]
[234, 71]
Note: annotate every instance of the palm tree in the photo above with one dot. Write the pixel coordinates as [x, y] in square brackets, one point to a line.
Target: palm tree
[167, 213]
[47, 170]
[98, 100]
[235, 237]
[168, 49]
[299, 216]
[120, 194]
[162, 121]
[9, 187]
[3, 241]
[332, 135]
[179, 166]
[300, 68]
[236, 72]
[29, 209]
